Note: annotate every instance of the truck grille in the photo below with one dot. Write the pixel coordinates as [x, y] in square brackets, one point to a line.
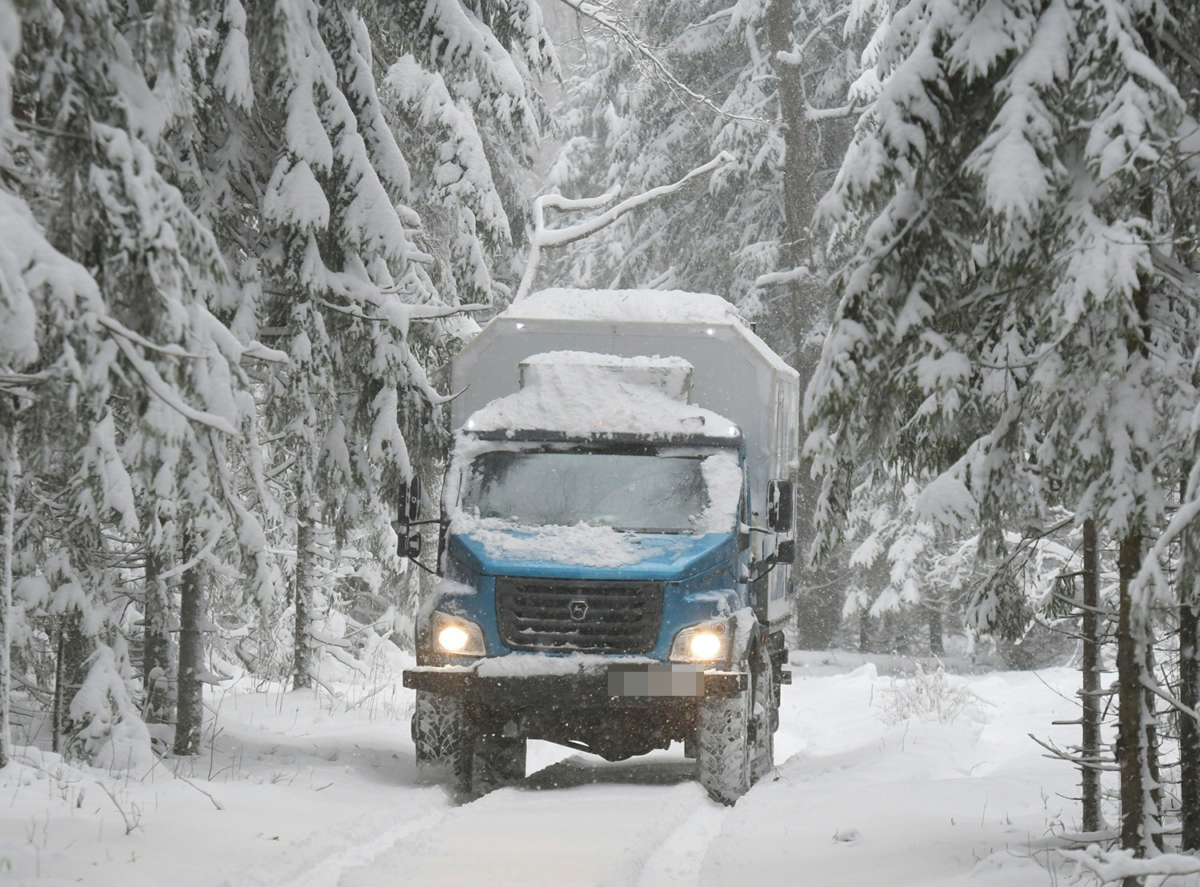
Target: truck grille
[601, 617]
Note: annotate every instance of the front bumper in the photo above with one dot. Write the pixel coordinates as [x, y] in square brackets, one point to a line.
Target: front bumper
[592, 708]
[616, 684]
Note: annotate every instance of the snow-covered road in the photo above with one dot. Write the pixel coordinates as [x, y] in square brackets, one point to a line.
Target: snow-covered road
[320, 797]
[571, 824]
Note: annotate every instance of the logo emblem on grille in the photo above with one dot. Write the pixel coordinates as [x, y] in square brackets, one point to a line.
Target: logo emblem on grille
[578, 610]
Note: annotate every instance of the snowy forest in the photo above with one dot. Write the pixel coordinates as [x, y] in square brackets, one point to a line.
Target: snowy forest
[240, 243]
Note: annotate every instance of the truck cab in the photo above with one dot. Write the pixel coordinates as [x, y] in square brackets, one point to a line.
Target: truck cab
[607, 572]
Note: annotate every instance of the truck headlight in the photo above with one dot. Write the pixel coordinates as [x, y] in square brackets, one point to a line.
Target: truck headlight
[707, 642]
[457, 636]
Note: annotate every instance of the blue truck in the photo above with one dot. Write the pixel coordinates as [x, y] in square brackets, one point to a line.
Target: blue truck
[615, 541]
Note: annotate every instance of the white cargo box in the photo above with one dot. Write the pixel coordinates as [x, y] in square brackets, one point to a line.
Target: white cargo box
[734, 373]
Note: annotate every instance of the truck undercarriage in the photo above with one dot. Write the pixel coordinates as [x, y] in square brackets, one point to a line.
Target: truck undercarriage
[476, 726]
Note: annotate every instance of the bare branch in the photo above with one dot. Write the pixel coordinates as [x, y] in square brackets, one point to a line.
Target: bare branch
[625, 35]
[1192, 60]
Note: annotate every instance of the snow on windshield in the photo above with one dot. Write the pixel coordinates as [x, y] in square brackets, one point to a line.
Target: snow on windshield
[575, 506]
[623, 491]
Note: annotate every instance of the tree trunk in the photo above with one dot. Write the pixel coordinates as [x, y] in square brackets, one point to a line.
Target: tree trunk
[1090, 693]
[818, 607]
[806, 296]
[864, 631]
[799, 162]
[1189, 729]
[190, 687]
[1150, 700]
[1139, 825]
[1189, 683]
[305, 566]
[156, 653]
[936, 645]
[70, 671]
[8, 495]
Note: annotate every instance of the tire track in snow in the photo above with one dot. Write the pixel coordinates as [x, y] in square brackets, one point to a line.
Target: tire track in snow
[679, 858]
[321, 857]
[577, 822]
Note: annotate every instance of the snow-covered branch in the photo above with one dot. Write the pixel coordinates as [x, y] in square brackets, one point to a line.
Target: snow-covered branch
[204, 552]
[19, 384]
[1150, 684]
[1111, 866]
[1176, 271]
[1152, 567]
[118, 328]
[167, 395]
[258, 351]
[773, 277]
[1172, 42]
[563, 236]
[416, 313]
[417, 372]
[811, 113]
[542, 237]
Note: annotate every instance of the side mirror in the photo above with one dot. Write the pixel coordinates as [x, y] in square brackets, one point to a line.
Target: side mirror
[414, 499]
[409, 506]
[780, 496]
[409, 546]
[785, 551]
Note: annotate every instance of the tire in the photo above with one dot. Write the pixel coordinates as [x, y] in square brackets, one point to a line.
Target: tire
[765, 716]
[723, 754]
[438, 727]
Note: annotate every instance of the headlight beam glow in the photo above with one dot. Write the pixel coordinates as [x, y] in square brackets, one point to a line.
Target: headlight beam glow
[705, 645]
[452, 638]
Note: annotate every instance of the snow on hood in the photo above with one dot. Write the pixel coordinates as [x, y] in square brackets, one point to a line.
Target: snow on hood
[581, 545]
[508, 546]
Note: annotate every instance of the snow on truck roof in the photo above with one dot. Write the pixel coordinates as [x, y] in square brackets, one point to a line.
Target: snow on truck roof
[590, 358]
[633, 306]
[581, 394]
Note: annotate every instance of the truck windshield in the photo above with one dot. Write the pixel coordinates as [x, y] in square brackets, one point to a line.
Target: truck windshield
[649, 493]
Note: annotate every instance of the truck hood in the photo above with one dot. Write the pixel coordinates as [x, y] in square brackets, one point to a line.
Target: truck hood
[583, 552]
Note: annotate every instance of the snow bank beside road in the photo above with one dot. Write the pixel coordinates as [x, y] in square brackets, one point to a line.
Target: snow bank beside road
[860, 804]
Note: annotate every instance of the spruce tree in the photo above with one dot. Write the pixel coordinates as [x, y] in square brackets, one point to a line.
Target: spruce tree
[1011, 317]
[164, 411]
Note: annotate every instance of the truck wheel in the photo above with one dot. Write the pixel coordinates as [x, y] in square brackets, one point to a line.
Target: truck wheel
[438, 724]
[766, 715]
[723, 755]
[497, 761]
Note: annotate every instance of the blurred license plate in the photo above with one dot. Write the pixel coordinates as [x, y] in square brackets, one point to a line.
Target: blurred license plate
[655, 679]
